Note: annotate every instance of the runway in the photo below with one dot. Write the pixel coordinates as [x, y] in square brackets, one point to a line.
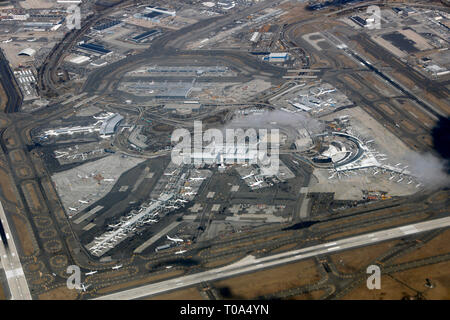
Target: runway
[251, 264]
[17, 282]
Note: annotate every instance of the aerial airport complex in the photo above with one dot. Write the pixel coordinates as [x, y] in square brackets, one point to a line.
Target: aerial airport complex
[330, 114]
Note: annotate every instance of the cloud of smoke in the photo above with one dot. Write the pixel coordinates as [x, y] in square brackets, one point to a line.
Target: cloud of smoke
[429, 169]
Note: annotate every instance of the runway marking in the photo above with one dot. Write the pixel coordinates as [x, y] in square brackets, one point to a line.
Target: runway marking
[330, 244]
[14, 273]
[408, 229]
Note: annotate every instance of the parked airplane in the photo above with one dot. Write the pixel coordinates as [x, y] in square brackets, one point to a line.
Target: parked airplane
[116, 267]
[91, 273]
[73, 209]
[249, 175]
[84, 288]
[174, 239]
[6, 41]
[257, 183]
[170, 174]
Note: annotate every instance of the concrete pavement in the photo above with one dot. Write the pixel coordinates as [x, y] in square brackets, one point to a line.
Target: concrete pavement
[15, 276]
[251, 264]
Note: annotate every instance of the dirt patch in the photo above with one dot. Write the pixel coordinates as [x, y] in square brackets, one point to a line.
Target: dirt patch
[17, 155]
[61, 293]
[285, 247]
[138, 282]
[436, 246]
[26, 242]
[312, 295]
[185, 294]
[2, 293]
[354, 260]
[407, 284]
[31, 195]
[269, 281]
[6, 187]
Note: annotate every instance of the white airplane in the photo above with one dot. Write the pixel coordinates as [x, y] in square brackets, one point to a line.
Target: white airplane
[189, 193]
[116, 267]
[174, 239]
[82, 201]
[249, 175]
[181, 200]
[6, 41]
[73, 209]
[91, 273]
[296, 162]
[150, 221]
[418, 185]
[257, 183]
[410, 181]
[180, 252]
[400, 180]
[113, 225]
[392, 177]
[84, 288]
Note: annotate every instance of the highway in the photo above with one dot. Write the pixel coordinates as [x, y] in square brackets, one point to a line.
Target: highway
[17, 282]
[252, 264]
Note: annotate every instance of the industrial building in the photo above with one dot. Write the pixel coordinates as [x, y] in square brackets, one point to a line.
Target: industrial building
[96, 48]
[277, 57]
[145, 35]
[106, 24]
